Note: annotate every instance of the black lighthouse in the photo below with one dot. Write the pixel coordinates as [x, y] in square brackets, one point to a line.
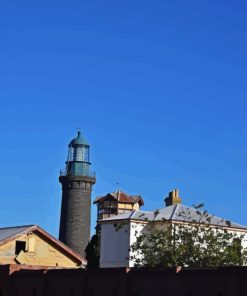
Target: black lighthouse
[77, 182]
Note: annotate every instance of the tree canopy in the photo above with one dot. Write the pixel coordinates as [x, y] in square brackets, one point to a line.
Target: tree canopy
[194, 244]
[93, 251]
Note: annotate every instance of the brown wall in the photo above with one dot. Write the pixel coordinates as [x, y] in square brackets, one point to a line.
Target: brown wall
[230, 281]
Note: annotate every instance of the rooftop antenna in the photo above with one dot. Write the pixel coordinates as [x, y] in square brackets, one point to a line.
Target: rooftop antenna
[117, 186]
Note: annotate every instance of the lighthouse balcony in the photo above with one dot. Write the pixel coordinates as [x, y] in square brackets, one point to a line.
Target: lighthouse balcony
[76, 173]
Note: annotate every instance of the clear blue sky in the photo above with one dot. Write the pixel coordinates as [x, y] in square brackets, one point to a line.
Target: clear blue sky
[157, 87]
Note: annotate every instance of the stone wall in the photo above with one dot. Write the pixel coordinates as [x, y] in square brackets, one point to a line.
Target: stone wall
[75, 212]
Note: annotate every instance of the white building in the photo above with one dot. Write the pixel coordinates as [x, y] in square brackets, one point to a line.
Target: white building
[119, 232]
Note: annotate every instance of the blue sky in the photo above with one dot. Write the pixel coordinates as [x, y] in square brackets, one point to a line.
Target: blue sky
[158, 88]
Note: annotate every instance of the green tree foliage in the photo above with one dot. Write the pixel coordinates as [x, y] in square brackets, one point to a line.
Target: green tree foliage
[194, 244]
[93, 252]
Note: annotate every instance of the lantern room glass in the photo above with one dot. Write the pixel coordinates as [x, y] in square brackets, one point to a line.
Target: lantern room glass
[79, 153]
[71, 154]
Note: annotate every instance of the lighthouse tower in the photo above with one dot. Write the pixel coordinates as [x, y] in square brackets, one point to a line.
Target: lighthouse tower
[77, 182]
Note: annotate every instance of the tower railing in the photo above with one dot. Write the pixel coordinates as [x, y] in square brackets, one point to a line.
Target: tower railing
[89, 174]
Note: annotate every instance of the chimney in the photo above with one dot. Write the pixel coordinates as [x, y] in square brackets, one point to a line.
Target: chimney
[173, 198]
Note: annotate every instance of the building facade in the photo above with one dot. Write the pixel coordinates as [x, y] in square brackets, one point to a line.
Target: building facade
[77, 181]
[124, 229]
[32, 246]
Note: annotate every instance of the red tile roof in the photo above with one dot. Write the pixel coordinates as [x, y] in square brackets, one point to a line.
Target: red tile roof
[120, 197]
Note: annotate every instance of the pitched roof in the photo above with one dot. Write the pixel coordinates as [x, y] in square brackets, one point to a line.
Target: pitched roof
[120, 196]
[10, 233]
[176, 212]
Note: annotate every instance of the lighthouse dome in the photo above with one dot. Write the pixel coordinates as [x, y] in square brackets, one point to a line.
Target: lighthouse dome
[79, 140]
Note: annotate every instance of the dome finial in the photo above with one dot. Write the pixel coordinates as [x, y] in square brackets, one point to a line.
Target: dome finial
[78, 132]
[79, 140]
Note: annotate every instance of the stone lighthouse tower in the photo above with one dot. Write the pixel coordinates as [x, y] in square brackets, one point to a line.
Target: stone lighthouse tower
[77, 182]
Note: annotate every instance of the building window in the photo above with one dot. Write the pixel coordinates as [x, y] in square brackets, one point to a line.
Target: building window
[19, 246]
[107, 211]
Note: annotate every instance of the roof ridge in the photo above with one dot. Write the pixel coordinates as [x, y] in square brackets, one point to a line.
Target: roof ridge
[132, 213]
[174, 211]
[145, 211]
[62, 245]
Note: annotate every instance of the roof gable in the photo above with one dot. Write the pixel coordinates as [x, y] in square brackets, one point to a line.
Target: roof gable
[11, 233]
[121, 197]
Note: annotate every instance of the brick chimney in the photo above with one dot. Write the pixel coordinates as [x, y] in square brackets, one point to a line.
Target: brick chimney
[173, 198]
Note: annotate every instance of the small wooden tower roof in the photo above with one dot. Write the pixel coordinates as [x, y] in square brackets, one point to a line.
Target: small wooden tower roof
[120, 197]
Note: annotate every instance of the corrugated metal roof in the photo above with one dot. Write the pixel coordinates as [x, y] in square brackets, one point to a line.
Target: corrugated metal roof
[177, 212]
[8, 232]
